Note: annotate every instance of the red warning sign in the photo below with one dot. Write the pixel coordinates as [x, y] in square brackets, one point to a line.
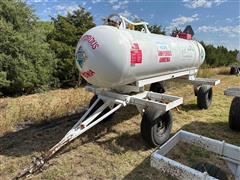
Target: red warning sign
[164, 59]
[88, 74]
[136, 54]
[164, 56]
[164, 53]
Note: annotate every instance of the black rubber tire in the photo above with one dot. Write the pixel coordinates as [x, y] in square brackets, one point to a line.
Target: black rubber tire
[234, 114]
[195, 90]
[157, 87]
[211, 169]
[156, 126]
[204, 97]
[100, 103]
[233, 71]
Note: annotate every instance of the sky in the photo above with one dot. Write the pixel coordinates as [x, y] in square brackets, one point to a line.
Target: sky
[215, 22]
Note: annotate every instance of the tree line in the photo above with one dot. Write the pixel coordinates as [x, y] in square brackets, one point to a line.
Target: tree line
[36, 56]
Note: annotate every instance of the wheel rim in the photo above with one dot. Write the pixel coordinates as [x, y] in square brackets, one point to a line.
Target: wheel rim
[161, 127]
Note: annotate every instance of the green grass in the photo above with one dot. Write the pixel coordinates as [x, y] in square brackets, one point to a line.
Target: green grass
[111, 150]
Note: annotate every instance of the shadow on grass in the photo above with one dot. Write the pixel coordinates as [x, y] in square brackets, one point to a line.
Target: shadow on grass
[225, 72]
[123, 143]
[214, 130]
[145, 171]
[41, 137]
[189, 107]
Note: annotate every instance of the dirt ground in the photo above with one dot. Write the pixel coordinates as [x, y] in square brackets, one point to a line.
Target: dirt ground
[114, 149]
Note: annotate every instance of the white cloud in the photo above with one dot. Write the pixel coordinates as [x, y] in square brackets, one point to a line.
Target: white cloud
[116, 7]
[118, 4]
[64, 9]
[231, 45]
[230, 31]
[151, 16]
[47, 11]
[210, 16]
[135, 17]
[126, 14]
[83, 3]
[37, 1]
[229, 20]
[182, 20]
[129, 15]
[96, 1]
[202, 3]
[113, 1]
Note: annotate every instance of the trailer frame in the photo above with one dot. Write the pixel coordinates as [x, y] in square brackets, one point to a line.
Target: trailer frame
[232, 91]
[225, 151]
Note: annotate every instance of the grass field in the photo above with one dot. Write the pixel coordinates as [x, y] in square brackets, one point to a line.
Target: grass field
[30, 125]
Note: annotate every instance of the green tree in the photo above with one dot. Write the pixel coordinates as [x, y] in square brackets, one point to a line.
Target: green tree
[63, 40]
[156, 29]
[26, 63]
[175, 31]
[218, 56]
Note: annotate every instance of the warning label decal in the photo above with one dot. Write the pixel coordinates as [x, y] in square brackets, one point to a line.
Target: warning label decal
[164, 53]
[164, 59]
[88, 74]
[136, 54]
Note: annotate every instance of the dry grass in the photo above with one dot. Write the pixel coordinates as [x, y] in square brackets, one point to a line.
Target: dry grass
[111, 150]
[40, 107]
[210, 72]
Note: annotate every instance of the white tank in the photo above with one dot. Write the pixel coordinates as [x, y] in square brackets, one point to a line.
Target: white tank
[107, 56]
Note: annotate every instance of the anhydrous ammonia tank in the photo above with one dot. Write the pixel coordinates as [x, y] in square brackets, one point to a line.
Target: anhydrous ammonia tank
[108, 56]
